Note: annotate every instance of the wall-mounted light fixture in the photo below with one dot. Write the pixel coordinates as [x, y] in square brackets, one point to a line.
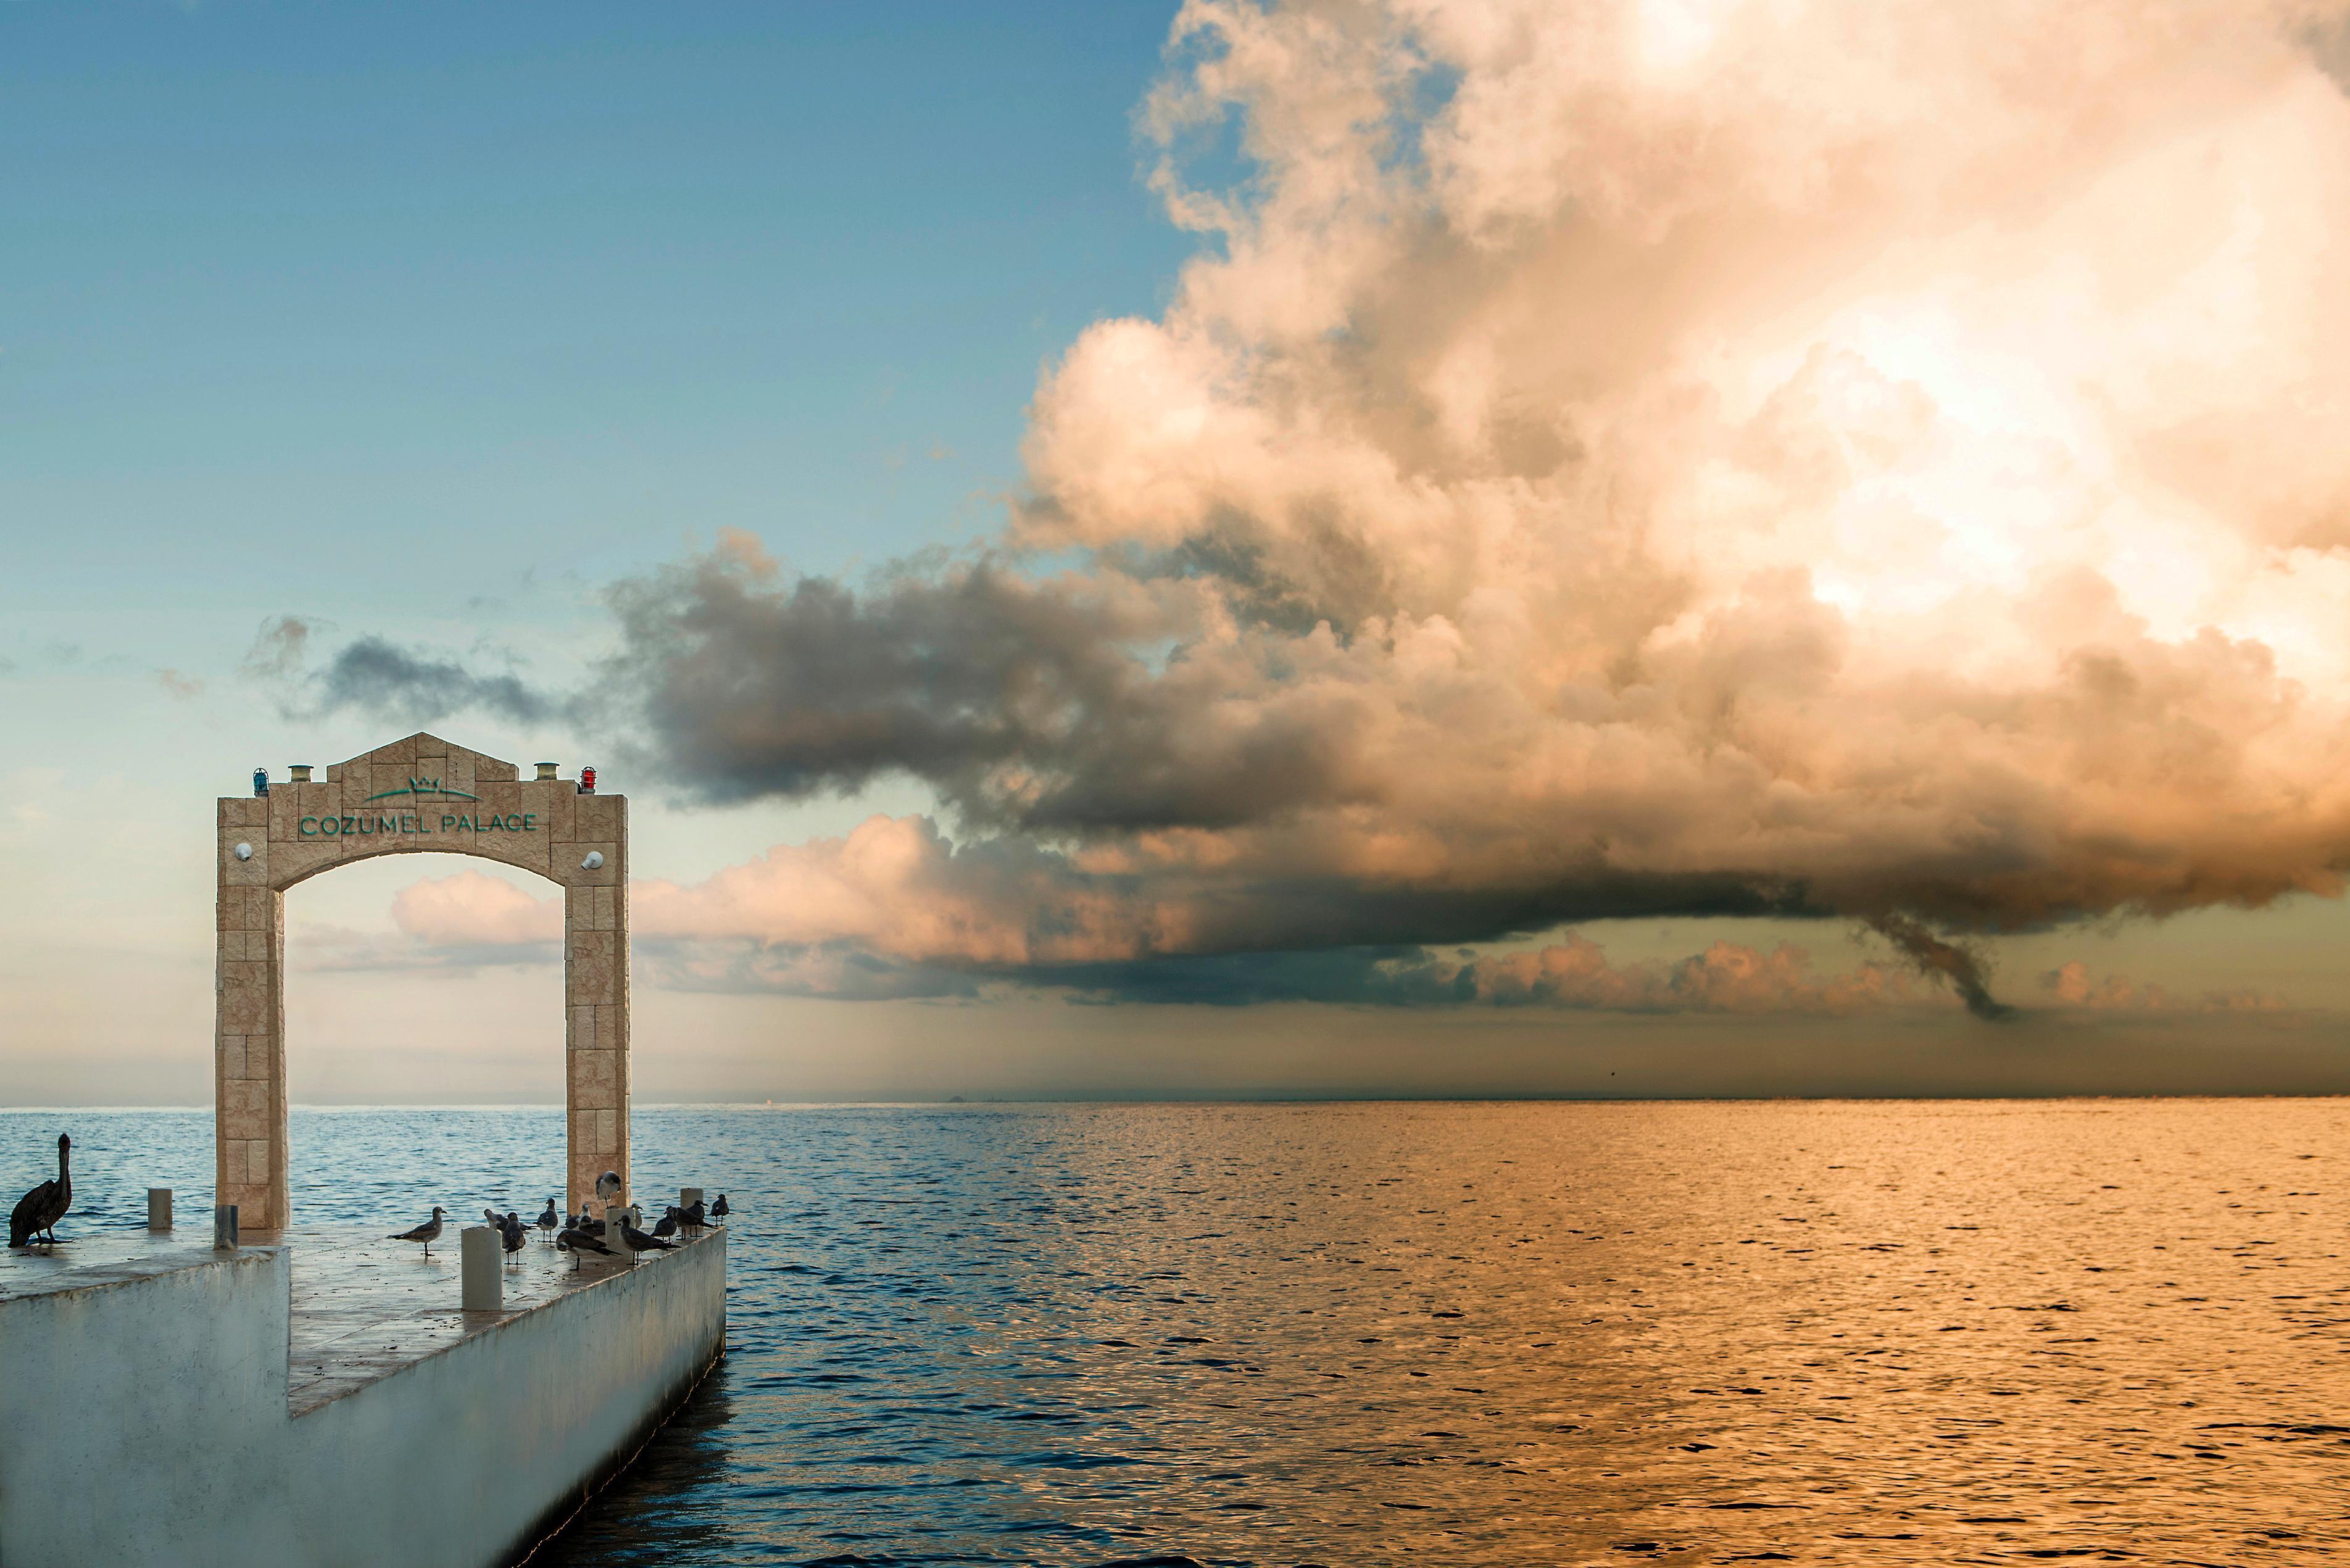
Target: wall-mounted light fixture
[245, 852]
[595, 861]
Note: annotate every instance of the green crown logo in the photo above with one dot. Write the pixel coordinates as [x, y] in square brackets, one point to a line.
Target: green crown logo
[425, 787]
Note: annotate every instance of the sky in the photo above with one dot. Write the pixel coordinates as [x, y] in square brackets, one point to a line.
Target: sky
[1620, 547]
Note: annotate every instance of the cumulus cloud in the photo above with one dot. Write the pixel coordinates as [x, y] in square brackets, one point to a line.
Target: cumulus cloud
[2071, 985]
[1727, 977]
[473, 910]
[1810, 456]
[892, 910]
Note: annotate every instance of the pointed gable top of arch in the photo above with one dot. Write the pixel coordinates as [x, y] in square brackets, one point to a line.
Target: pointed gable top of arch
[427, 755]
[423, 795]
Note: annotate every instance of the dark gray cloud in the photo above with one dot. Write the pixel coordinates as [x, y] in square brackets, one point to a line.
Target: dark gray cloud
[1037, 705]
[376, 676]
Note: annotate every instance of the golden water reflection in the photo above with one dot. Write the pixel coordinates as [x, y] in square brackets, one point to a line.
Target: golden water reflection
[1709, 1333]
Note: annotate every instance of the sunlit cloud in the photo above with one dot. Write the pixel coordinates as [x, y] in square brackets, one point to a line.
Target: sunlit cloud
[2070, 984]
[1813, 457]
[892, 911]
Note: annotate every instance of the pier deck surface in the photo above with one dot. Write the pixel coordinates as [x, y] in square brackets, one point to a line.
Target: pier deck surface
[363, 1306]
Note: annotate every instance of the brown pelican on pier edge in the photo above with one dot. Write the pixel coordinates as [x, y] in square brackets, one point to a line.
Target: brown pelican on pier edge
[38, 1210]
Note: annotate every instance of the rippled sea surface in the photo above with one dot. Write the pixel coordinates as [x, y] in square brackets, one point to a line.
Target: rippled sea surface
[1865, 1332]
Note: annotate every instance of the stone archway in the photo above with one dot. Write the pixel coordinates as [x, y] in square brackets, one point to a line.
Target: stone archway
[414, 795]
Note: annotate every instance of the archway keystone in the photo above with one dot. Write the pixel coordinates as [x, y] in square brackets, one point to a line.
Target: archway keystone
[417, 796]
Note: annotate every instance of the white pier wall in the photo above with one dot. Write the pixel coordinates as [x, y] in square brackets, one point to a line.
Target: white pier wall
[136, 1417]
[493, 1433]
[147, 1421]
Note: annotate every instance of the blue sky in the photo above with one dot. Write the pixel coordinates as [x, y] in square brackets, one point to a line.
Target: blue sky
[293, 280]
[429, 322]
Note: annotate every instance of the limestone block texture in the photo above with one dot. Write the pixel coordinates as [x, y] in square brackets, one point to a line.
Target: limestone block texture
[418, 795]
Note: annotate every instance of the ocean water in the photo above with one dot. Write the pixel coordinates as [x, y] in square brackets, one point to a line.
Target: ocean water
[1839, 1332]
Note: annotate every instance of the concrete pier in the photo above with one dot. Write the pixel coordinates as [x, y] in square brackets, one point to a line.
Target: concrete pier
[326, 1399]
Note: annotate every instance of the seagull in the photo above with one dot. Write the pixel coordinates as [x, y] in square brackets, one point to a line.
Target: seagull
[638, 1242]
[43, 1207]
[607, 1187]
[692, 1216]
[665, 1226]
[575, 1242]
[718, 1210]
[428, 1232]
[548, 1223]
[510, 1232]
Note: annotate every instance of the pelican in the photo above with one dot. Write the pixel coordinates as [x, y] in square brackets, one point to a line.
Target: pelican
[38, 1210]
[549, 1222]
[428, 1232]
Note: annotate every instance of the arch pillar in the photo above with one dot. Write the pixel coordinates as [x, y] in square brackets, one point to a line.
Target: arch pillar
[417, 796]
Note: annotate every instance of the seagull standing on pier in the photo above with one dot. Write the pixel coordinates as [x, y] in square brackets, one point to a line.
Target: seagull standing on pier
[718, 1210]
[578, 1243]
[638, 1242]
[510, 1232]
[428, 1232]
[692, 1216]
[549, 1222]
[43, 1207]
[665, 1226]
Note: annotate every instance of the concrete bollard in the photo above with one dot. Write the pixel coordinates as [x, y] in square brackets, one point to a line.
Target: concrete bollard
[225, 1228]
[686, 1196]
[158, 1209]
[484, 1287]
